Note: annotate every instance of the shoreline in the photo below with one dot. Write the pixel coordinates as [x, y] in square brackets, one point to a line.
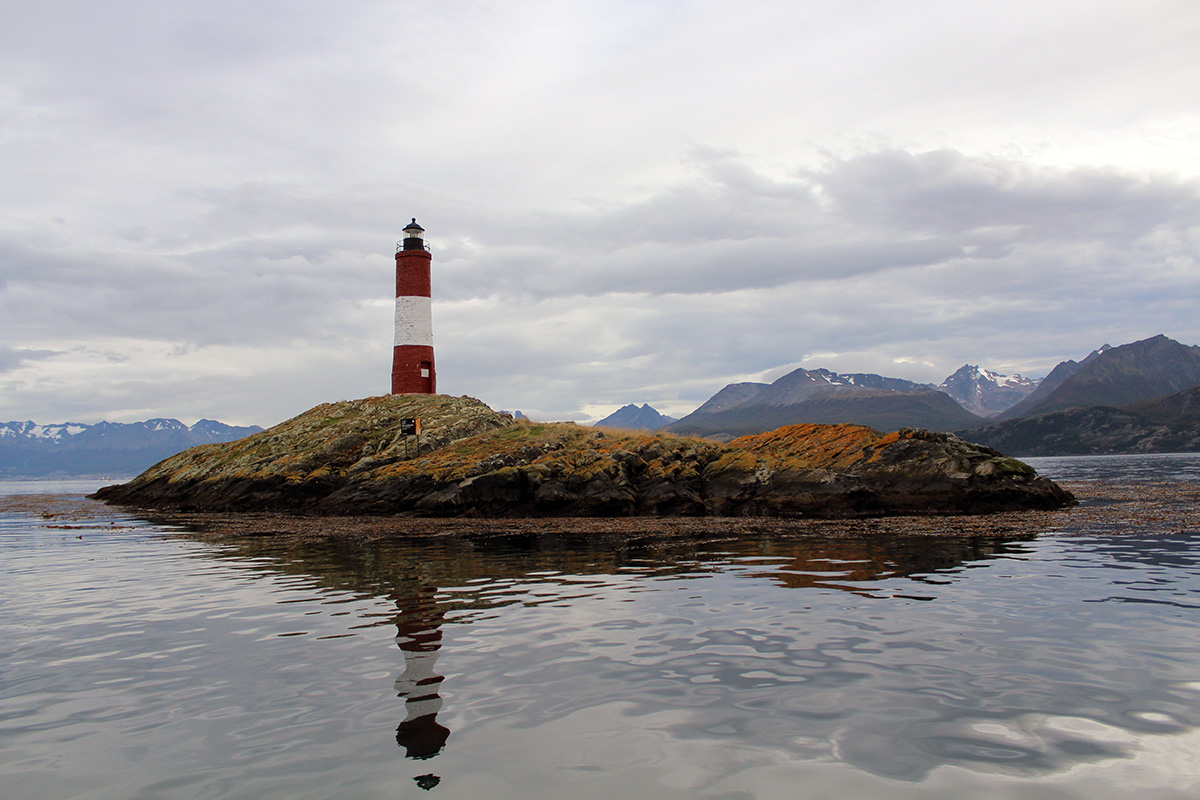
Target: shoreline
[1103, 508]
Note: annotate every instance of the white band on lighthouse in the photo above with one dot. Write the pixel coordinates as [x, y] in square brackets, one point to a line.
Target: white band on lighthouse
[414, 321]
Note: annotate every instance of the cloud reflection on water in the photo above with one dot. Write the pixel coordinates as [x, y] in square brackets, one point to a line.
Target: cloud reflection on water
[455, 580]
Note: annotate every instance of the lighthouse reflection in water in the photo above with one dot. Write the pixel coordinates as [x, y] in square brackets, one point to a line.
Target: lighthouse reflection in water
[419, 636]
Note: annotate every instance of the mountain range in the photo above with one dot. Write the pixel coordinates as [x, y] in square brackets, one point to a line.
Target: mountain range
[30, 450]
[1140, 396]
[633, 418]
[1115, 376]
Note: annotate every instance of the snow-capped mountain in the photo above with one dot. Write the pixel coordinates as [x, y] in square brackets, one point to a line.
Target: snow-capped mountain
[984, 392]
[28, 449]
[12, 431]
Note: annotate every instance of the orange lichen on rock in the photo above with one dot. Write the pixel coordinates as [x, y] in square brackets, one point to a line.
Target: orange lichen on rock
[812, 446]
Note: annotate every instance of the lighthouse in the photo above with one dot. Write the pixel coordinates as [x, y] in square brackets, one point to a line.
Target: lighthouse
[412, 355]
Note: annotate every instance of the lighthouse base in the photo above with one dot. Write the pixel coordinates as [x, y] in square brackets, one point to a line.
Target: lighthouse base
[412, 370]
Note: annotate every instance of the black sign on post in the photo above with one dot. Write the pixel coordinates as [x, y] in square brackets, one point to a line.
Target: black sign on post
[411, 427]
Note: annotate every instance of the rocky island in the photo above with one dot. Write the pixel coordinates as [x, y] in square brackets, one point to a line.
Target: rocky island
[352, 457]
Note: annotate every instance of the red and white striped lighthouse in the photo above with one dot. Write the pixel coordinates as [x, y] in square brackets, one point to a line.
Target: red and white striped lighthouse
[412, 356]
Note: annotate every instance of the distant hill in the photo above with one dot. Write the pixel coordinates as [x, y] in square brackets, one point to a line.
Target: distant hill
[1168, 424]
[1179, 409]
[984, 392]
[822, 396]
[802, 384]
[735, 394]
[30, 450]
[1115, 376]
[631, 417]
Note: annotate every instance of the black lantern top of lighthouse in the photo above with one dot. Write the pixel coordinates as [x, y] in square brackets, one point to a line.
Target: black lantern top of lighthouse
[413, 237]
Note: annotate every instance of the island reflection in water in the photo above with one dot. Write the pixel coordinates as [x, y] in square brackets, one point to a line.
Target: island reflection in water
[446, 581]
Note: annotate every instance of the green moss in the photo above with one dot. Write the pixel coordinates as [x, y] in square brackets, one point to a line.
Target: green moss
[1011, 466]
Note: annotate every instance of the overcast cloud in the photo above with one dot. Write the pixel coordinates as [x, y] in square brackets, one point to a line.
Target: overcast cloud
[626, 201]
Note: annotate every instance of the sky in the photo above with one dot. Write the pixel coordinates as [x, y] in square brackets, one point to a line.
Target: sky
[626, 202]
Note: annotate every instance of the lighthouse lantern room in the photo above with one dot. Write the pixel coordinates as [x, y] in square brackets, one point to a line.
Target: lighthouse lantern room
[414, 238]
[412, 355]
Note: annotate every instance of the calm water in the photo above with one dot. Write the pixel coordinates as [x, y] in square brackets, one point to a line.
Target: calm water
[1051, 664]
[1120, 468]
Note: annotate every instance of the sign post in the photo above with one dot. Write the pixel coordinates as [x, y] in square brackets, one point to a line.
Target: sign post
[411, 427]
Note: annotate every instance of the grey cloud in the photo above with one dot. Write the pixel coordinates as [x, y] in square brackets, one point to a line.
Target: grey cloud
[877, 212]
[946, 192]
[13, 357]
[227, 295]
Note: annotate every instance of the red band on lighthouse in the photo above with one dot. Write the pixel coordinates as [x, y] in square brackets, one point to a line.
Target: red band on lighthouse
[412, 353]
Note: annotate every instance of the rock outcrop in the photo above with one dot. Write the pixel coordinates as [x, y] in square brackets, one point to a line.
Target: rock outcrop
[351, 458]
